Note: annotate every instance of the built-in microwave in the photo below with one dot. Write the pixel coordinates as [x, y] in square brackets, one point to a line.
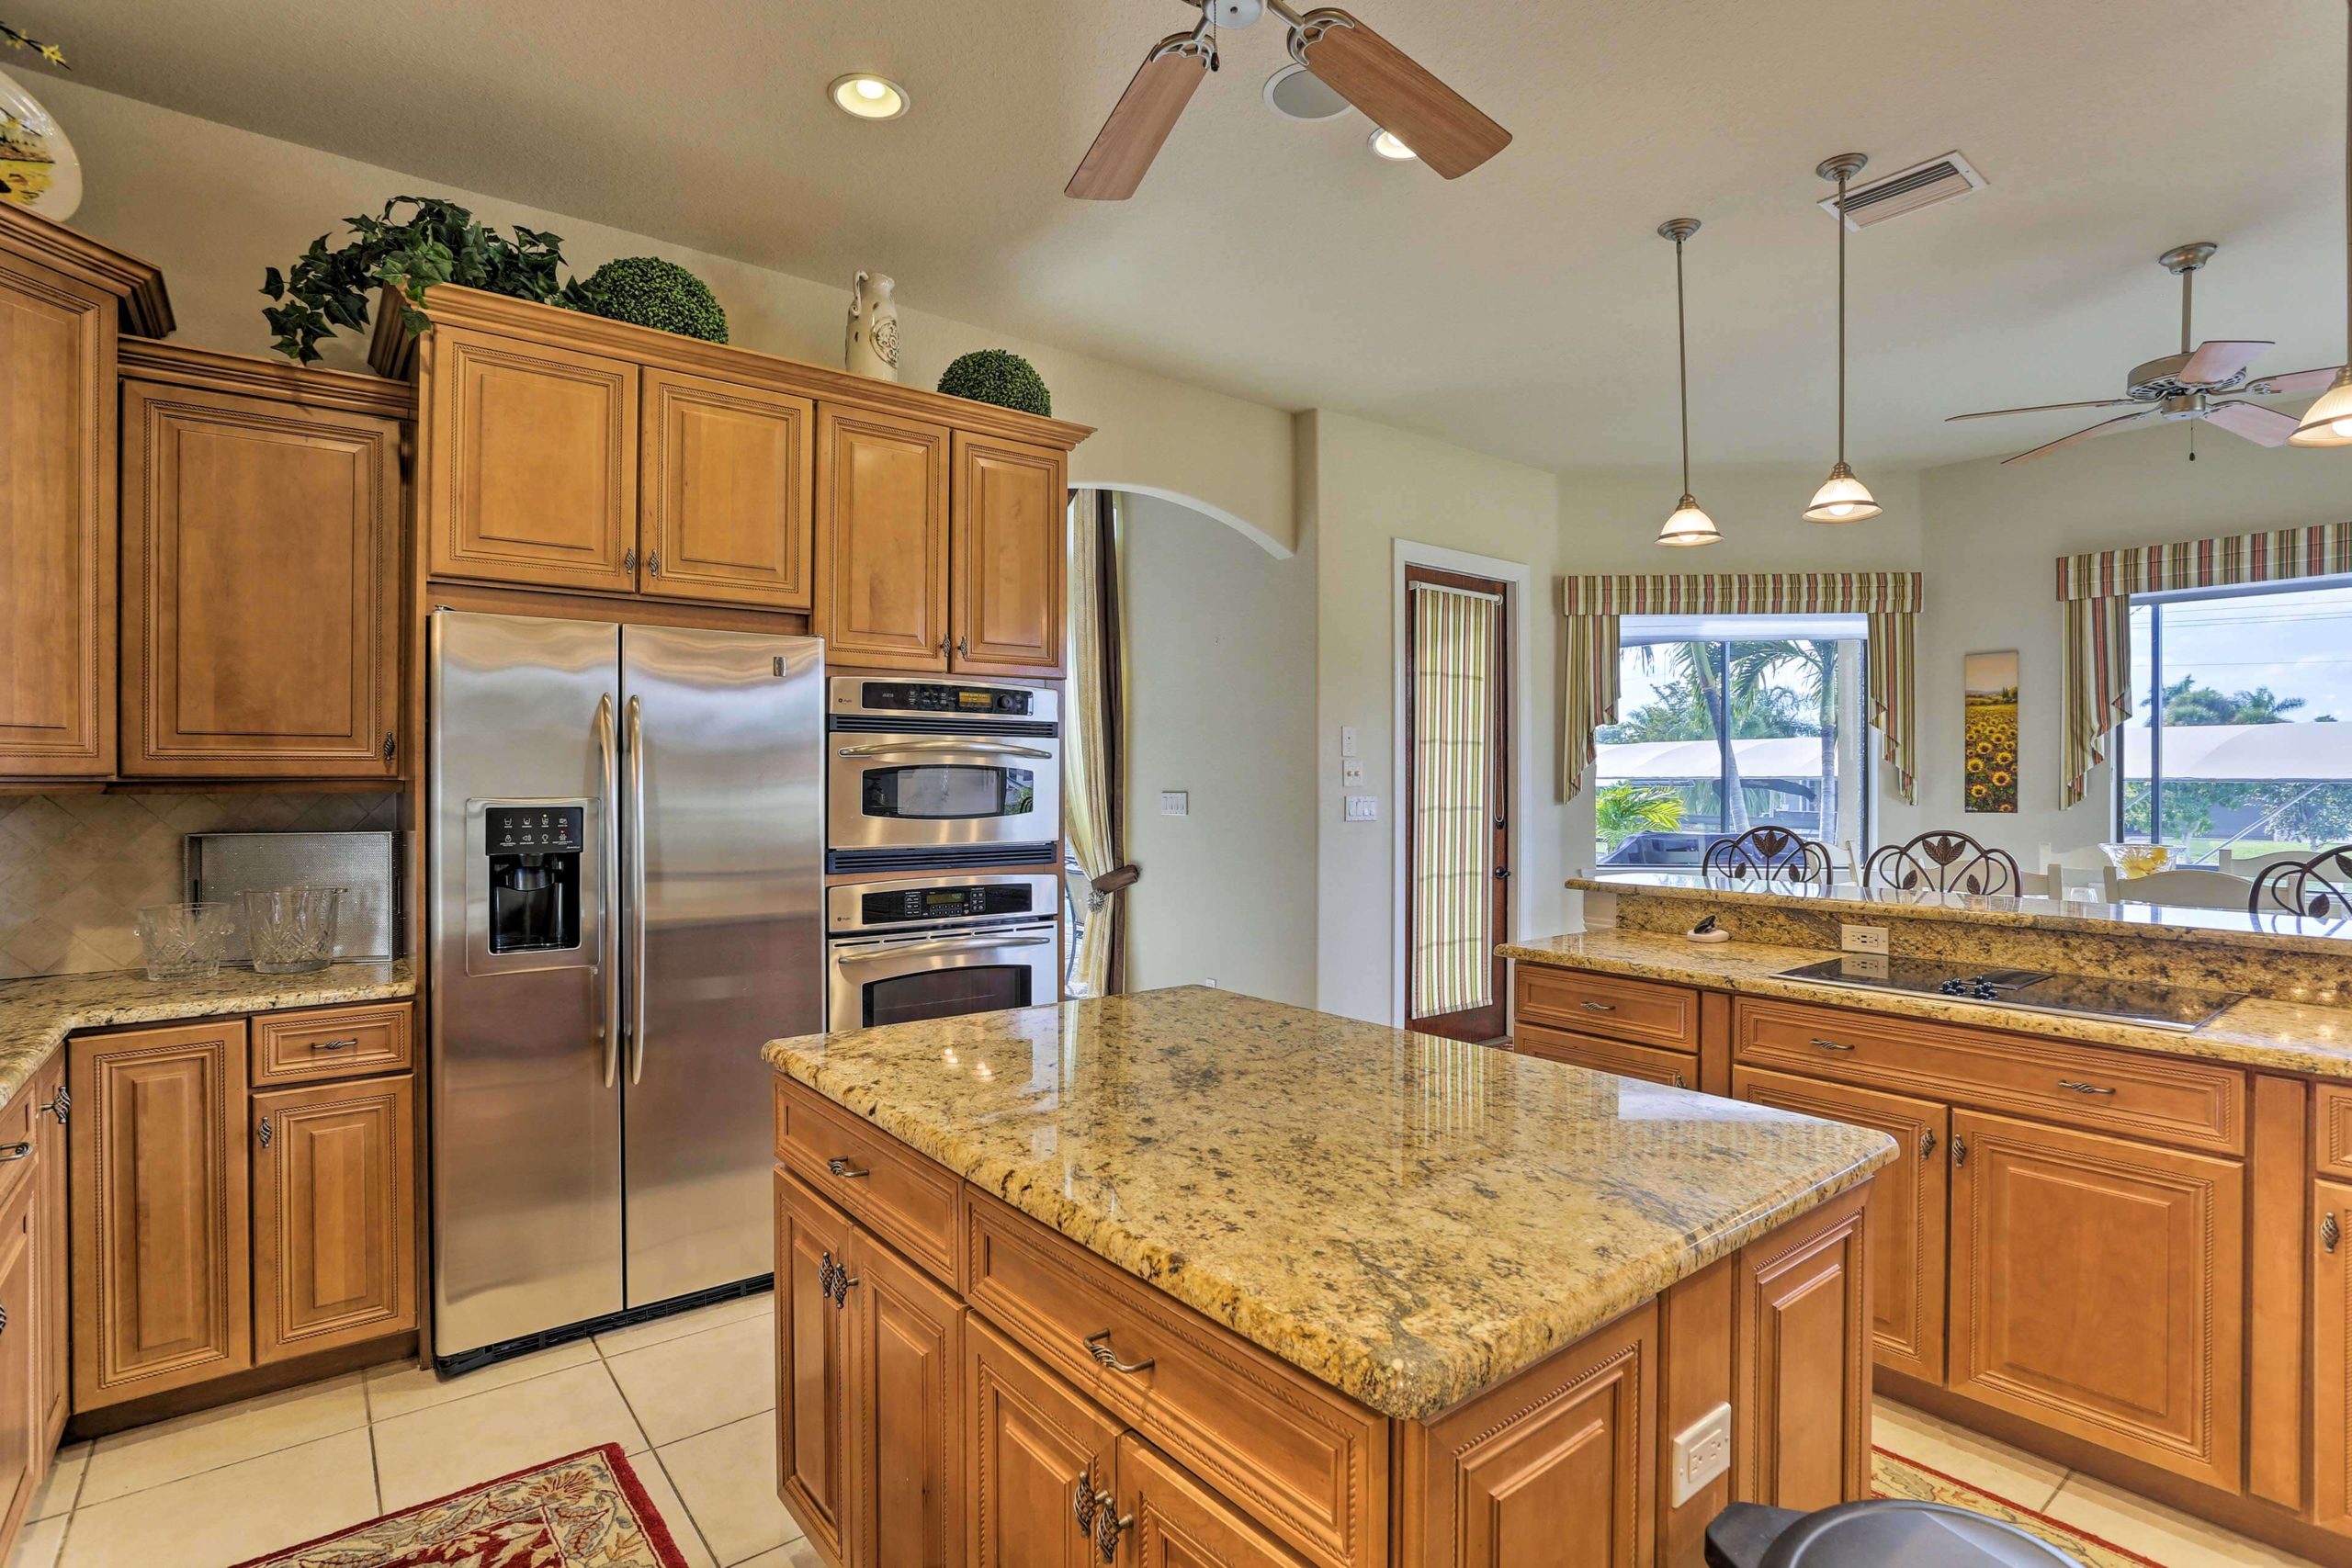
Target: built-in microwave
[930, 775]
[938, 947]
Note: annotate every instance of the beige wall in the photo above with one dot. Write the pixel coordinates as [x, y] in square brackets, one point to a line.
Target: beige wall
[1221, 706]
[213, 206]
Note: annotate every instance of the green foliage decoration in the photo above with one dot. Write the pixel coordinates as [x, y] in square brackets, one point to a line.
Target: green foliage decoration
[1000, 376]
[652, 292]
[439, 242]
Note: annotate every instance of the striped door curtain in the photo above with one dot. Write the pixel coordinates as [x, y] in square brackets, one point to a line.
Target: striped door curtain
[1889, 600]
[1453, 799]
[2096, 590]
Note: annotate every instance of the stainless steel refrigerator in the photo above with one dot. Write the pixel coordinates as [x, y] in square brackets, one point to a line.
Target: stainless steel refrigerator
[626, 900]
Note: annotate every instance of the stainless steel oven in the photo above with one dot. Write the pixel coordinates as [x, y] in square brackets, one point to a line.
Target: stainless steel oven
[926, 773]
[937, 946]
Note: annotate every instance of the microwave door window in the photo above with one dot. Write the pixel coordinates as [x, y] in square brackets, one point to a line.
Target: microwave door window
[946, 993]
[940, 793]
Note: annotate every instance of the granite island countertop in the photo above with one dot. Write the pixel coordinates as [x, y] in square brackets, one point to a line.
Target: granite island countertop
[37, 1014]
[1407, 1219]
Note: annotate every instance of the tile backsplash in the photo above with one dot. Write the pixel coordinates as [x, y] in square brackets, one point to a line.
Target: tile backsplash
[74, 868]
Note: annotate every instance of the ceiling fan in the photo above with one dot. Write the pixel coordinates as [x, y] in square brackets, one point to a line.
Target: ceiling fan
[1442, 127]
[2188, 384]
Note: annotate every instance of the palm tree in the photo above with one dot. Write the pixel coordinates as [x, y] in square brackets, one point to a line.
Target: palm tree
[1728, 679]
[2262, 705]
[1815, 662]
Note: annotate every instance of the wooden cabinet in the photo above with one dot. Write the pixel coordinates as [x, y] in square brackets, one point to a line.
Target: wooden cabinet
[1040, 1460]
[24, 1446]
[2332, 1350]
[812, 1364]
[882, 539]
[1173, 1521]
[48, 1104]
[261, 587]
[2097, 1288]
[531, 463]
[1908, 1209]
[909, 1355]
[1801, 1438]
[1675, 1068]
[726, 493]
[1007, 553]
[335, 1215]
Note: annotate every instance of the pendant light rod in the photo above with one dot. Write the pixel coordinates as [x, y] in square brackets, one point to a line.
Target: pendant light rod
[1841, 168]
[1678, 230]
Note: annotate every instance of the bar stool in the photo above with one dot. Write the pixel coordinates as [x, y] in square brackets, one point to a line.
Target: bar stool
[1880, 1533]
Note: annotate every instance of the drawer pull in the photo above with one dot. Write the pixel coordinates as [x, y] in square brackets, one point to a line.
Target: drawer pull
[1084, 1500]
[1099, 1346]
[2330, 1233]
[14, 1151]
[2081, 1088]
[1831, 1045]
[1597, 1007]
[335, 1044]
[1107, 1527]
[60, 1105]
[846, 1171]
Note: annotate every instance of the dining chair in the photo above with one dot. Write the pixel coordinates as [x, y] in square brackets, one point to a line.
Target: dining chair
[1769, 857]
[1944, 862]
[2318, 887]
[2187, 887]
[2252, 866]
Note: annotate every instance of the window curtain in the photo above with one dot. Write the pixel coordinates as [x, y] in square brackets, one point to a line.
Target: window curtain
[1093, 746]
[1594, 605]
[1453, 806]
[2096, 590]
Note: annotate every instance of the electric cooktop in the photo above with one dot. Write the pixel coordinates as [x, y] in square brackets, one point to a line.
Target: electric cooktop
[2148, 1002]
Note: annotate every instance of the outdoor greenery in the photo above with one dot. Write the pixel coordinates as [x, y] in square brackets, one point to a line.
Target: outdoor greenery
[651, 292]
[1750, 691]
[1001, 377]
[2285, 811]
[1622, 810]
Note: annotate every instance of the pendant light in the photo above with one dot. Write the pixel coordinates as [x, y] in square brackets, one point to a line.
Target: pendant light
[1842, 498]
[2328, 422]
[1688, 526]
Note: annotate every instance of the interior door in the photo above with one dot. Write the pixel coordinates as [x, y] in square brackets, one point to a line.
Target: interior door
[723, 946]
[1457, 797]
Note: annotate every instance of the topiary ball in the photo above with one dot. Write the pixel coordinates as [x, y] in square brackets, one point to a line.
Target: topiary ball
[1000, 376]
[652, 292]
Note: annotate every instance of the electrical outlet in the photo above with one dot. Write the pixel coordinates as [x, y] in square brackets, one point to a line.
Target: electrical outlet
[1175, 803]
[1363, 808]
[1210, 981]
[1700, 1452]
[1351, 773]
[1861, 939]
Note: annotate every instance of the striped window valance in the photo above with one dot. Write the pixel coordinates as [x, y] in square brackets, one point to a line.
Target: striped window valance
[2096, 589]
[1594, 605]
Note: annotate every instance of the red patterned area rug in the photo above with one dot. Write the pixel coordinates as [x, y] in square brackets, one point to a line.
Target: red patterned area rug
[585, 1510]
[1891, 1476]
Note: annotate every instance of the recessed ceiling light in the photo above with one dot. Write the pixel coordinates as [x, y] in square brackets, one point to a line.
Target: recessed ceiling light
[1294, 93]
[1390, 148]
[868, 96]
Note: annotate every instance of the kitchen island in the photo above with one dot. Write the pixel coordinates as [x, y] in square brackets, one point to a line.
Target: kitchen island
[1187, 1277]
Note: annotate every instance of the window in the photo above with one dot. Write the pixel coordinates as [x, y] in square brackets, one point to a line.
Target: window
[2236, 750]
[1732, 722]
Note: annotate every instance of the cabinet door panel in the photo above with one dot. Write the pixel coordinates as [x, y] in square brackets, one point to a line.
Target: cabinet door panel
[162, 1281]
[1035, 1447]
[815, 1398]
[882, 531]
[2097, 1286]
[261, 586]
[1908, 1205]
[51, 1258]
[911, 1351]
[1802, 1344]
[728, 493]
[2332, 1353]
[1011, 508]
[531, 464]
[24, 1448]
[1176, 1522]
[335, 1215]
[57, 524]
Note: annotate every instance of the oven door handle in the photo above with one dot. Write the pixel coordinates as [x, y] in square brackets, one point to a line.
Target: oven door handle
[940, 944]
[964, 748]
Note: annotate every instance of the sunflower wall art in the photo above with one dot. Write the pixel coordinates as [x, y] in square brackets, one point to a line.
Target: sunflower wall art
[1989, 776]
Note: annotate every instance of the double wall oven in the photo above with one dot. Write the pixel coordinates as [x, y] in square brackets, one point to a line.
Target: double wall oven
[932, 787]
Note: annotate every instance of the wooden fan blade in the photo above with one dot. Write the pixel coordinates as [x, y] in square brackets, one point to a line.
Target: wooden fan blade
[1444, 129]
[2105, 427]
[2265, 427]
[1139, 123]
[2044, 408]
[2292, 382]
[2219, 360]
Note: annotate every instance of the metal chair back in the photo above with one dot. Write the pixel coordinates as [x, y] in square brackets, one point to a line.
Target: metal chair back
[1768, 857]
[1944, 862]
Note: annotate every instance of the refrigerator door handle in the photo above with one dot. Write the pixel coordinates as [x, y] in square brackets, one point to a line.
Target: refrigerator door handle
[607, 921]
[637, 887]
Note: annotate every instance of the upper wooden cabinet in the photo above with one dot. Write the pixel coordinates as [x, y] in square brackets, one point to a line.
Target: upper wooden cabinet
[1007, 552]
[882, 500]
[725, 493]
[63, 300]
[260, 569]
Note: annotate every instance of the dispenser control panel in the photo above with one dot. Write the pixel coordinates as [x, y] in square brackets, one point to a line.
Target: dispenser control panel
[534, 830]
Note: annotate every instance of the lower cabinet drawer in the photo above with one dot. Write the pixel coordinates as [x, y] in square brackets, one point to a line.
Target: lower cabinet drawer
[330, 1043]
[1680, 1068]
[1648, 1012]
[909, 1201]
[1305, 1463]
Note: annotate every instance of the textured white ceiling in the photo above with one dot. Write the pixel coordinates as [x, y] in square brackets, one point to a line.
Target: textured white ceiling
[1526, 309]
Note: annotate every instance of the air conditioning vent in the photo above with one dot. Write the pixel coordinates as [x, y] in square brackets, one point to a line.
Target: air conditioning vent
[1907, 191]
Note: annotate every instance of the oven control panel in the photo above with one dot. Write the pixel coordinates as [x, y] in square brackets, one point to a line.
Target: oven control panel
[899, 905]
[947, 698]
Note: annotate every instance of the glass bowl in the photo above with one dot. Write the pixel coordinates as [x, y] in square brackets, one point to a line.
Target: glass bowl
[2139, 860]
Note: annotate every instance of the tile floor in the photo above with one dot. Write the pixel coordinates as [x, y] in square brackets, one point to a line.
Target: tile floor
[689, 1398]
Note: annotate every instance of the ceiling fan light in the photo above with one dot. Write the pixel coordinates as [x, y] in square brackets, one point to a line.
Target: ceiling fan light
[1842, 498]
[2328, 422]
[1689, 525]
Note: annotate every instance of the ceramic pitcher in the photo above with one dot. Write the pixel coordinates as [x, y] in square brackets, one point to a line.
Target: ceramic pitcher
[873, 348]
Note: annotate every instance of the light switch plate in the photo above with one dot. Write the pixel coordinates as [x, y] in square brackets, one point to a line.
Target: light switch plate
[1174, 803]
[1699, 1452]
[1363, 808]
[1352, 770]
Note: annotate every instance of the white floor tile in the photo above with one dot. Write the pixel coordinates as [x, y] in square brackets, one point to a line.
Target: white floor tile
[728, 1478]
[674, 1510]
[37, 1542]
[446, 1447]
[621, 1341]
[62, 1484]
[400, 1388]
[2024, 1479]
[800, 1553]
[124, 1462]
[226, 1516]
[2156, 1532]
[684, 1386]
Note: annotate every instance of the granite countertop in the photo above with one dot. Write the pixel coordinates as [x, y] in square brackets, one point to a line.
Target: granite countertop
[1407, 1219]
[2276, 932]
[2258, 1032]
[37, 1014]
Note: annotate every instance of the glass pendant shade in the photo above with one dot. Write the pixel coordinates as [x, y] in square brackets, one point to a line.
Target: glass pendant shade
[1842, 499]
[2328, 422]
[1689, 525]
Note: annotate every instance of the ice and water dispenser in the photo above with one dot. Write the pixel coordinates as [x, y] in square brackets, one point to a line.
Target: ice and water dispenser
[534, 854]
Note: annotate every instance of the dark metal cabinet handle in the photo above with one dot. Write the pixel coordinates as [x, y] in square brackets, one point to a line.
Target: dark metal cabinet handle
[1084, 1500]
[1678, 1083]
[60, 1105]
[1927, 1143]
[825, 1275]
[653, 563]
[1959, 1149]
[628, 559]
[963, 648]
[265, 1132]
[2080, 1088]
[1831, 1045]
[1597, 1007]
[843, 1284]
[14, 1151]
[1099, 1346]
[1108, 1526]
[335, 1044]
[4, 1320]
[2330, 1233]
[846, 1171]
[942, 647]
[390, 745]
